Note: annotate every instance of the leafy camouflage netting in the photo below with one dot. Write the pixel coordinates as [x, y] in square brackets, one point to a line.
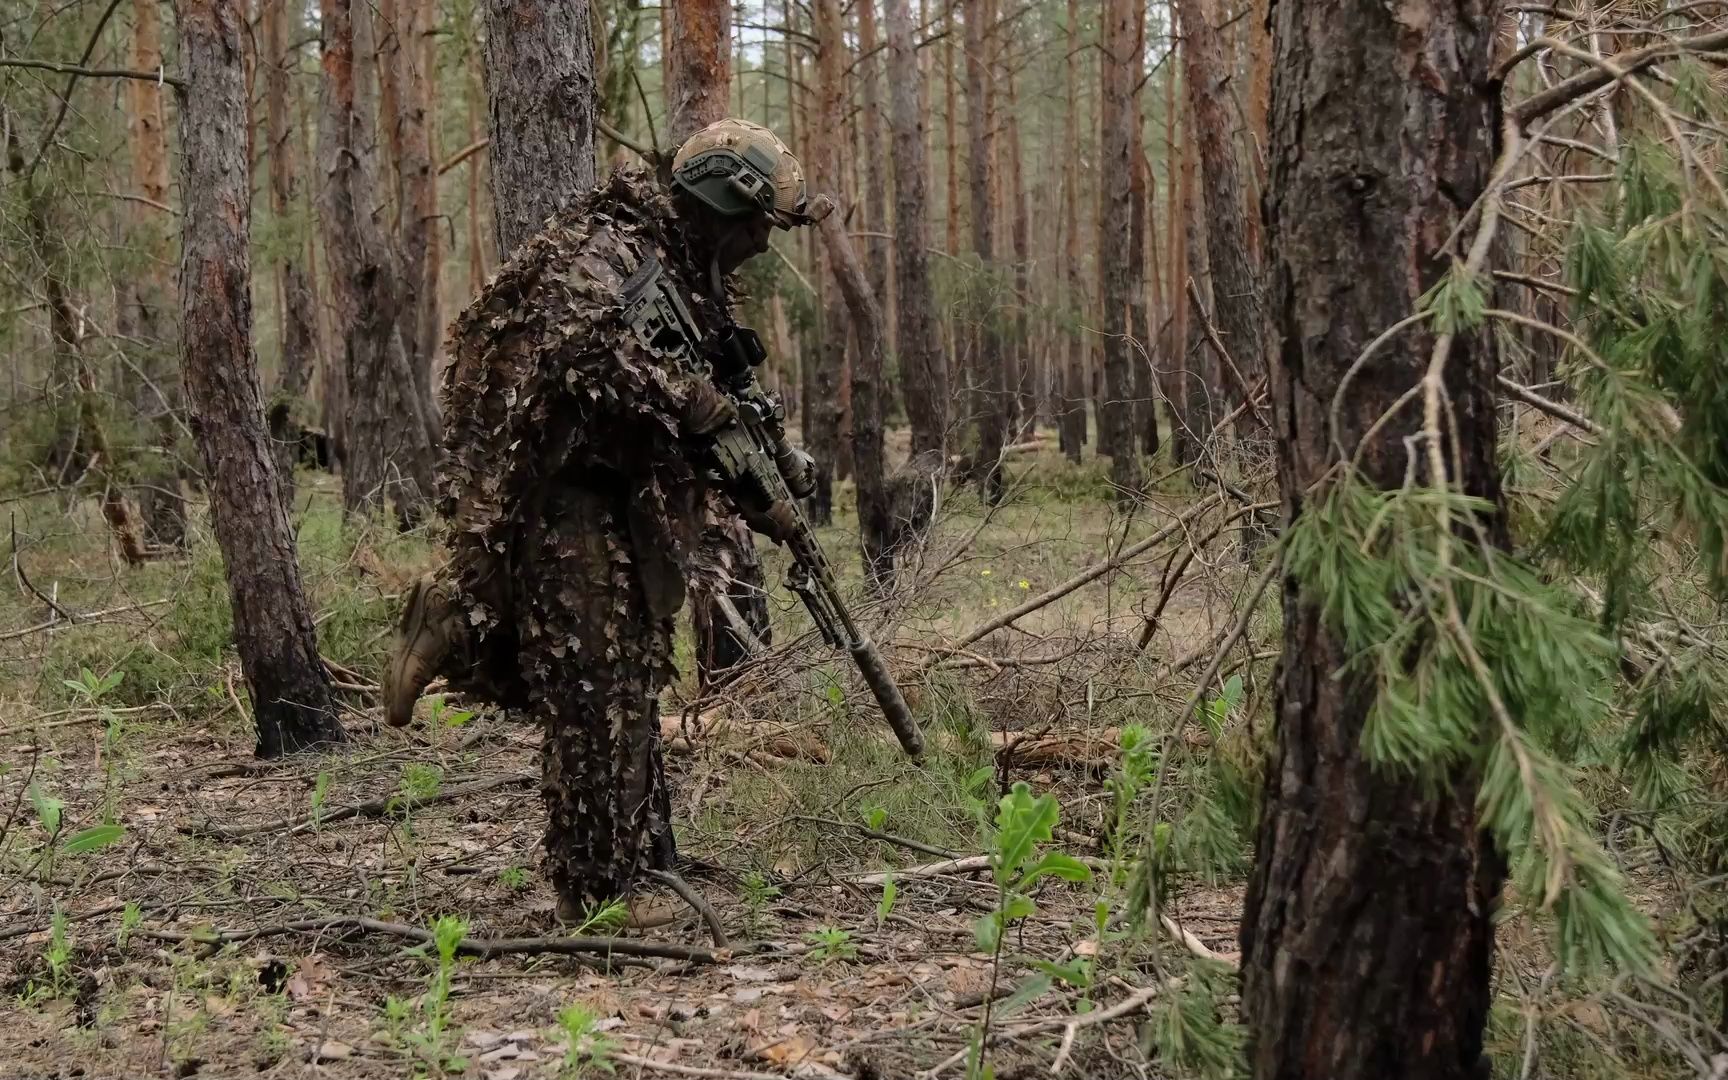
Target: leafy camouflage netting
[575, 518]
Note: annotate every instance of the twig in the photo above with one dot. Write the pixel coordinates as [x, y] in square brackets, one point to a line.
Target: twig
[1552, 408]
[1192, 943]
[94, 73]
[970, 864]
[876, 834]
[1236, 375]
[689, 1070]
[702, 907]
[1626, 63]
[372, 808]
[1084, 577]
[463, 155]
[81, 618]
[482, 947]
[1121, 1008]
[627, 142]
[24, 579]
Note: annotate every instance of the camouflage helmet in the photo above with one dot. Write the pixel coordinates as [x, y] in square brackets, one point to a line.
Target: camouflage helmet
[735, 167]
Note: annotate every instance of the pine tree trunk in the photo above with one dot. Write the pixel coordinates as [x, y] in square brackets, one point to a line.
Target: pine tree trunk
[1116, 121]
[988, 368]
[1144, 433]
[150, 295]
[875, 523]
[299, 321]
[1367, 934]
[1235, 281]
[403, 32]
[823, 405]
[387, 452]
[698, 69]
[1073, 420]
[923, 363]
[602, 776]
[875, 167]
[1020, 403]
[539, 65]
[289, 688]
[698, 73]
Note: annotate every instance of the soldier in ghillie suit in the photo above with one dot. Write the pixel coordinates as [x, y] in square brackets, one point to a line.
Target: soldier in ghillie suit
[576, 460]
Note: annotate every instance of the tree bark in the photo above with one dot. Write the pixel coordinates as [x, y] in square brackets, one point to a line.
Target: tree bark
[1020, 406]
[923, 363]
[273, 632]
[299, 321]
[988, 369]
[1235, 280]
[386, 450]
[875, 166]
[1072, 424]
[1116, 121]
[698, 73]
[1367, 935]
[698, 68]
[823, 402]
[149, 296]
[405, 52]
[539, 65]
[875, 522]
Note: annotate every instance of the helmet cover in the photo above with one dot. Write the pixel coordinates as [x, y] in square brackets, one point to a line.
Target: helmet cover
[735, 167]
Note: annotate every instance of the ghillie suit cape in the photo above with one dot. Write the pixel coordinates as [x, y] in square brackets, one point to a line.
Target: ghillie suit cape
[576, 518]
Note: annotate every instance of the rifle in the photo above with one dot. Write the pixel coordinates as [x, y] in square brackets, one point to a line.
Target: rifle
[765, 475]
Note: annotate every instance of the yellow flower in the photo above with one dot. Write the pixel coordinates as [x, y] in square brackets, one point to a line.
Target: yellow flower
[1024, 584]
[984, 573]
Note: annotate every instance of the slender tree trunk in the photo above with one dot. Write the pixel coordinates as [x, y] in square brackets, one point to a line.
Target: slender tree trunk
[1144, 434]
[403, 35]
[478, 245]
[950, 120]
[923, 363]
[299, 320]
[1367, 932]
[1115, 434]
[698, 73]
[1175, 372]
[290, 690]
[385, 432]
[875, 523]
[698, 69]
[1020, 402]
[1073, 422]
[875, 165]
[539, 65]
[1235, 281]
[150, 295]
[823, 404]
[988, 369]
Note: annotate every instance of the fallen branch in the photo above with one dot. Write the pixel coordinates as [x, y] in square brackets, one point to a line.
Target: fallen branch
[1192, 943]
[1071, 1028]
[81, 618]
[1084, 577]
[379, 807]
[701, 906]
[468, 946]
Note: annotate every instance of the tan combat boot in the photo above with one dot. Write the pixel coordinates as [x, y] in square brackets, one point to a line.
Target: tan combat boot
[425, 635]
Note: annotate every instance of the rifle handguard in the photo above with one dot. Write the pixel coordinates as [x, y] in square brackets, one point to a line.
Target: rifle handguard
[894, 708]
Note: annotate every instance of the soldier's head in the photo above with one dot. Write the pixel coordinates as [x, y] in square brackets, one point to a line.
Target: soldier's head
[734, 183]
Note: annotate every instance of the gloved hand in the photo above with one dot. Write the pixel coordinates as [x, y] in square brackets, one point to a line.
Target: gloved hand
[775, 522]
[706, 410]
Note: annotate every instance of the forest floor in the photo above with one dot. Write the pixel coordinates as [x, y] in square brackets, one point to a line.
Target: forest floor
[176, 907]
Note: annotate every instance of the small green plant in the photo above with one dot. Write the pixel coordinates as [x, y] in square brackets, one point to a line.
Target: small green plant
[758, 891]
[885, 906]
[601, 918]
[320, 794]
[58, 955]
[585, 1047]
[1022, 825]
[445, 716]
[830, 943]
[130, 920]
[513, 878]
[433, 1038]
